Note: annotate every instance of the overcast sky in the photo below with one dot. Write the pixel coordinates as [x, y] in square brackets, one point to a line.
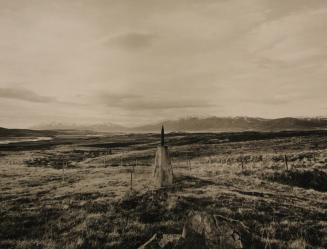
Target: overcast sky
[134, 62]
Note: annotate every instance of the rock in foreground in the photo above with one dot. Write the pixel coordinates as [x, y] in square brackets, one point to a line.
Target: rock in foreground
[204, 231]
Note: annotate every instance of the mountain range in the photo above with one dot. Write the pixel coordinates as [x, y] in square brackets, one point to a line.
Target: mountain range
[194, 124]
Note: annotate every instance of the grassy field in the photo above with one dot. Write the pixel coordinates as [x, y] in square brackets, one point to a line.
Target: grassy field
[75, 191]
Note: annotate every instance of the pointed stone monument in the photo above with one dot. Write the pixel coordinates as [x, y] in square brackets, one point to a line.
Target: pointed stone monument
[163, 170]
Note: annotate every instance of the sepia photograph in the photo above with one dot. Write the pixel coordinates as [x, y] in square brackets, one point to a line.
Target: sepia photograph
[163, 124]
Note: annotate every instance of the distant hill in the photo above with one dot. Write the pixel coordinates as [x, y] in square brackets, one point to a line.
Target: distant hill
[6, 133]
[229, 124]
[104, 127]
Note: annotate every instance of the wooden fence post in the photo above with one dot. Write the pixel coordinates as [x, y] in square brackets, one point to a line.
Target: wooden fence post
[63, 170]
[286, 162]
[131, 180]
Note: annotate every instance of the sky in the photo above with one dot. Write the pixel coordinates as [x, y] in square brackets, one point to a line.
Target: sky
[134, 62]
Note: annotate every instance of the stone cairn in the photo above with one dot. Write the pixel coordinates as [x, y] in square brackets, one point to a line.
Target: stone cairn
[163, 170]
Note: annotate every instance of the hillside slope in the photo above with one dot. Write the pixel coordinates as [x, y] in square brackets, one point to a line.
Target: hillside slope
[24, 133]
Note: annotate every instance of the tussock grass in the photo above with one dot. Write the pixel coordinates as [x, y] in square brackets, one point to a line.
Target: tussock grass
[310, 179]
[92, 205]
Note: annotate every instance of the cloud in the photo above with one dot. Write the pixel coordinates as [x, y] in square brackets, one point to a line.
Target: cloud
[165, 59]
[290, 96]
[295, 39]
[25, 95]
[132, 40]
[271, 100]
[133, 102]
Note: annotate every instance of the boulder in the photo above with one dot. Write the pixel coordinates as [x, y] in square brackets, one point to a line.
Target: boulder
[213, 231]
[203, 231]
